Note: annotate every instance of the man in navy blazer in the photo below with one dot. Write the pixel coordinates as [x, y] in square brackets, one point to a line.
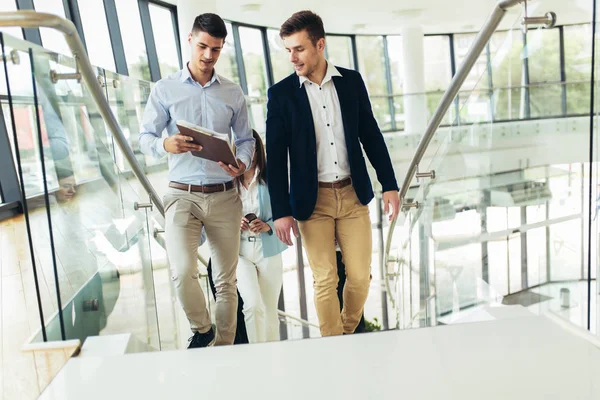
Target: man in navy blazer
[319, 117]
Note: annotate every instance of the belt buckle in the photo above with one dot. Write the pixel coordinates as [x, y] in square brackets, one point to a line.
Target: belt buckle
[252, 238]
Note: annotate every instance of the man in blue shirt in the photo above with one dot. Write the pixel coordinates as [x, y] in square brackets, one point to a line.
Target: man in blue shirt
[201, 192]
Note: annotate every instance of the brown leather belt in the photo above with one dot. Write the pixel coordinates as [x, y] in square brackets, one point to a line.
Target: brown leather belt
[336, 185]
[214, 188]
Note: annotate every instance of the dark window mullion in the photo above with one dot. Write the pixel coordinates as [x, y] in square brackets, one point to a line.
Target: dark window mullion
[267, 54]
[116, 39]
[354, 52]
[388, 78]
[72, 13]
[563, 72]
[239, 58]
[175, 20]
[453, 72]
[149, 40]
[488, 56]
[30, 34]
[525, 66]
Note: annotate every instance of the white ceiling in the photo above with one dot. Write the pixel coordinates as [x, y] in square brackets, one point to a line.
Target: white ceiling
[389, 17]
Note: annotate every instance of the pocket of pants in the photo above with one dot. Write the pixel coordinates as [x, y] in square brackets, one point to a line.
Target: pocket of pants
[179, 211]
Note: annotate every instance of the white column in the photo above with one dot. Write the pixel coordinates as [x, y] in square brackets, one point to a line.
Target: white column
[413, 63]
[187, 11]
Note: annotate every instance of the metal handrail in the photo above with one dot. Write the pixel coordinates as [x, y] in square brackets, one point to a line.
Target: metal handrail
[447, 100]
[477, 47]
[33, 19]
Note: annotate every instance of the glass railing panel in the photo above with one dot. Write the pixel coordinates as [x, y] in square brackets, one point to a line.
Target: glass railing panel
[128, 97]
[446, 271]
[20, 114]
[101, 245]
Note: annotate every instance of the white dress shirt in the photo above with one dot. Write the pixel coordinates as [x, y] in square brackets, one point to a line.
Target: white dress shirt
[332, 155]
[250, 203]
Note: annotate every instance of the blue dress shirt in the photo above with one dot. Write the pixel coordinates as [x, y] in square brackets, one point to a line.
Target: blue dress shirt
[219, 105]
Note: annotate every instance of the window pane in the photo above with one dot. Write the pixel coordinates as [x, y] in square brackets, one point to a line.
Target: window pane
[256, 75]
[506, 52]
[578, 54]
[254, 61]
[164, 37]
[478, 76]
[396, 68]
[133, 39]
[339, 51]
[395, 54]
[543, 53]
[52, 39]
[95, 29]
[438, 69]
[371, 63]
[227, 65]
[10, 5]
[279, 56]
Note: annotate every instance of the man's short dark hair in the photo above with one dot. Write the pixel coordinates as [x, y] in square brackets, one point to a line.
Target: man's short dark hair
[211, 24]
[304, 20]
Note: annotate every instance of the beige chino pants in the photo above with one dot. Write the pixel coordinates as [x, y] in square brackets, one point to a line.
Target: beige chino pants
[220, 214]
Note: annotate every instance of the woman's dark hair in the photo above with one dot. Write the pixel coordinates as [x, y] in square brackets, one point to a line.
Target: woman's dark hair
[261, 161]
[211, 24]
[304, 20]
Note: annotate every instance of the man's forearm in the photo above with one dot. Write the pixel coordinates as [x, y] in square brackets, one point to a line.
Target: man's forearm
[152, 145]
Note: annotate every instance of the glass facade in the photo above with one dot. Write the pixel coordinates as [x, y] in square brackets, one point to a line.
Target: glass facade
[537, 78]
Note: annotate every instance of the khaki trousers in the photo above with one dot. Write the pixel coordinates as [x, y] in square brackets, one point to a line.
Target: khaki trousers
[220, 214]
[339, 215]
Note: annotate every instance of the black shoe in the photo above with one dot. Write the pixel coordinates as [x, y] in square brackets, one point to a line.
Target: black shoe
[202, 339]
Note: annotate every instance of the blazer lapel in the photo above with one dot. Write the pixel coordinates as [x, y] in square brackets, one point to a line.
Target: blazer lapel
[347, 106]
[305, 114]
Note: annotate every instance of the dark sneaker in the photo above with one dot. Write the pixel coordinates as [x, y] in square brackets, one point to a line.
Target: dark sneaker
[202, 339]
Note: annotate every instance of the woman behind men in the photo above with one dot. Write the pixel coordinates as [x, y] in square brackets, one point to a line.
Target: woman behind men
[260, 267]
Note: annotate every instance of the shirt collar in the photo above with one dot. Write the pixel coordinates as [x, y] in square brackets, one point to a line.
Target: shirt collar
[329, 74]
[185, 75]
[254, 179]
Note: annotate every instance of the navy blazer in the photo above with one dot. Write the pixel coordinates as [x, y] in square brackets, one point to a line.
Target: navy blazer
[290, 130]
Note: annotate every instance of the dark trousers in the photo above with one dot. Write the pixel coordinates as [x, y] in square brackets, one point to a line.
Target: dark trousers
[341, 270]
[241, 336]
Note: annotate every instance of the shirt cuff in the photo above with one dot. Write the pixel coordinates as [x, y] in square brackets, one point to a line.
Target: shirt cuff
[160, 147]
[247, 160]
